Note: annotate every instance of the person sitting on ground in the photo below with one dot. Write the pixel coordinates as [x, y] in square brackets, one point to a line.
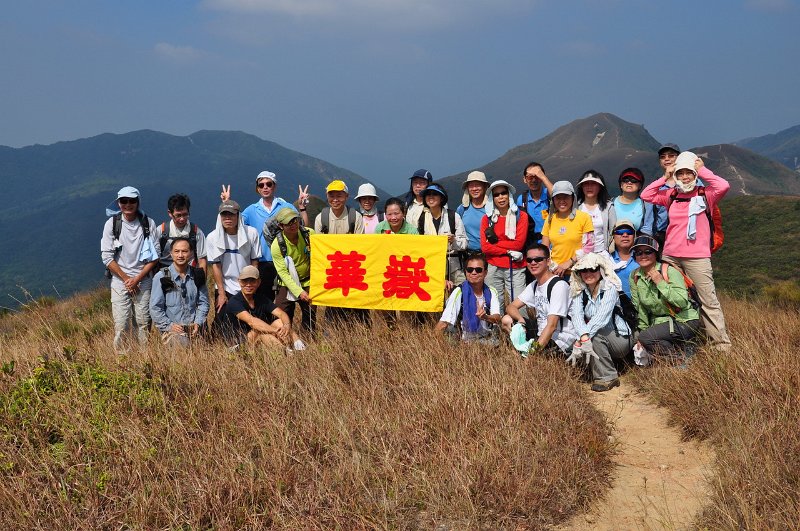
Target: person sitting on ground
[473, 307]
[437, 218]
[689, 234]
[367, 198]
[413, 199]
[231, 246]
[179, 299]
[568, 232]
[621, 255]
[503, 233]
[394, 218]
[291, 251]
[251, 317]
[179, 226]
[596, 314]
[548, 294]
[535, 200]
[628, 205]
[667, 320]
[593, 198]
[473, 208]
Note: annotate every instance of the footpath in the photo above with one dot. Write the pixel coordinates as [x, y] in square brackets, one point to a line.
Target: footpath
[660, 481]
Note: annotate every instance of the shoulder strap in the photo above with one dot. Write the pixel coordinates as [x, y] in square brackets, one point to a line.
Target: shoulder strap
[525, 200]
[162, 241]
[421, 223]
[144, 221]
[281, 243]
[351, 221]
[325, 218]
[451, 219]
[116, 228]
[305, 235]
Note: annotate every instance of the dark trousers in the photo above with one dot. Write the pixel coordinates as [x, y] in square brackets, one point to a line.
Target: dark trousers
[267, 273]
[309, 318]
[346, 316]
[659, 340]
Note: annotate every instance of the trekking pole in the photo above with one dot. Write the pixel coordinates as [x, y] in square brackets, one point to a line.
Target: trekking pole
[511, 276]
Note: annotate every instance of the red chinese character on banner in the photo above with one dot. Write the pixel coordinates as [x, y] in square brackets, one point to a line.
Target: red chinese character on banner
[404, 278]
[346, 272]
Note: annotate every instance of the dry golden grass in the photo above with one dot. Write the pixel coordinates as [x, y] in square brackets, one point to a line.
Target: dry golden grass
[747, 404]
[389, 431]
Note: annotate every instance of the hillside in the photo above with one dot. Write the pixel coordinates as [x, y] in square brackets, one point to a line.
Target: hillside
[609, 144]
[783, 146]
[66, 186]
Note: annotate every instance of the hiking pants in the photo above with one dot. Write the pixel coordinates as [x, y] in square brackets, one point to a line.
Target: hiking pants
[130, 311]
[498, 278]
[267, 274]
[609, 346]
[660, 341]
[699, 270]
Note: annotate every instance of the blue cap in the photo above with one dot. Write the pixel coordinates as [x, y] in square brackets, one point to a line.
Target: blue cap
[128, 191]
[422, 174]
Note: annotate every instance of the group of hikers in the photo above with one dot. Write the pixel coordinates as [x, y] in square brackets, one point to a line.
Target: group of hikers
[605, 278]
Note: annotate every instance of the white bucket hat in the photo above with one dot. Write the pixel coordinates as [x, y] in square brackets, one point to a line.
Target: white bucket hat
[367, 190]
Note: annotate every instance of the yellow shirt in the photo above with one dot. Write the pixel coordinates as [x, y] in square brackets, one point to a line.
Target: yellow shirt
[566, 235]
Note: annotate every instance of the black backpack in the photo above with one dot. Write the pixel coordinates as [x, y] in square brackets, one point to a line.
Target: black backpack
[451, 219]
[162, 241]
[550, 286]
[624, 309]
[326, 216]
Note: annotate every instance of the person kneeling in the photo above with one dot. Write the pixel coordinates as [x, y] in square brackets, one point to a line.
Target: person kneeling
[668, 321]
[473, 306]
[253, 318]
[549, 296]
[603, 335]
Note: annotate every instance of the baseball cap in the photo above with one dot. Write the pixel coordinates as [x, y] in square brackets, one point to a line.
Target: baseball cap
[563, 187]
[624, 223]
[249, 271]
[336, 186]
[422, 174]
[645, 241]
[665, 147]
[128, 191]
[285, 215]
[229, 206]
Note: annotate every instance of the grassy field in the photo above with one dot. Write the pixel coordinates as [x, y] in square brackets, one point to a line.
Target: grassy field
[747, 405]
[360, 431]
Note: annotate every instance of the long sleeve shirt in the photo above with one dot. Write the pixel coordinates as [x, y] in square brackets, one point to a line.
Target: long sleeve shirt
[184, 304]
[598, 313]
[653, 301]
[497, 253]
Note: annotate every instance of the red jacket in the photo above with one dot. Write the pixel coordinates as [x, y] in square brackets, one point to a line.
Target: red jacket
[497, 253]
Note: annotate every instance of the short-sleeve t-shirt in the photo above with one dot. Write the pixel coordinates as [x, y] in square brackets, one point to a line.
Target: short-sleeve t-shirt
[565, 333]
[234, 329]
[453, 306]
[633, 212]
[566, 234]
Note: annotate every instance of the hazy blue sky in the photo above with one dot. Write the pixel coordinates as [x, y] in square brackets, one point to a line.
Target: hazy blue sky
[383, 87]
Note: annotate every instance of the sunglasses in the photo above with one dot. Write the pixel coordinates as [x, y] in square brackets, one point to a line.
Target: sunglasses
[537, 259]
[629, 180]
[292, 222]
[645, 252]
[592, 270]
[474, 269]
[624, 232]
[266, 184]
[498, 194]
[127, 200]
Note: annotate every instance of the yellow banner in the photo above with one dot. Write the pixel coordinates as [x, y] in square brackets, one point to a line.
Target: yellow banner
[379, 271]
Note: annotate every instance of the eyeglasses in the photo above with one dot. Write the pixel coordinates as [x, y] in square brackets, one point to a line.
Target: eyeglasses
[127, 200]
[498, 194]
[266, 184]
[537, 259]
[592, 270]
[629, 180]
[180, 215]
[624, 232]
[474, 269]
[645, 252]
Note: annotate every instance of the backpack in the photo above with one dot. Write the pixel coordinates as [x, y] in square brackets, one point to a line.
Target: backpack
[168, 283]
[326, 216]
[694, 298]
[714, 216]
[116, 230]
[451, 219]
[162, 242]
[624, 309]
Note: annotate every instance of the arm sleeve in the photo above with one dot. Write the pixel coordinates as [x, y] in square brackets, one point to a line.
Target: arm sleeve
[201, 244]
[647, 219]
[203, 305]
[652, 194]
[279, 261]
[460, 232]
[716, 186]
[643, 321]
[255, 243]
[674, 289]
[576, 314]
[604, 312]
[450, 313]
[318, 223]
[158, 304]
[107, 242]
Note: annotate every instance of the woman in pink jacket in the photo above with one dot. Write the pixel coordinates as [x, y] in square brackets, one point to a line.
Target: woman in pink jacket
[688, 239]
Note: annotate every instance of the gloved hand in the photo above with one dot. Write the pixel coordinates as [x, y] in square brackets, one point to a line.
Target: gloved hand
[515, 255]
[588, 352]
[575, 356]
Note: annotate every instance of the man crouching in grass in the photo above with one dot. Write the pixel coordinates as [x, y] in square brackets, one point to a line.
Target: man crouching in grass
[255, 319]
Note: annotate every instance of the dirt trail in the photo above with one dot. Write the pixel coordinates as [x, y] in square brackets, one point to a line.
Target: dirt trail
[660, 482]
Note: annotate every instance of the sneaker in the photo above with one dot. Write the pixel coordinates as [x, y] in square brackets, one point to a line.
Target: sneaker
[299, 345]
[601, 387]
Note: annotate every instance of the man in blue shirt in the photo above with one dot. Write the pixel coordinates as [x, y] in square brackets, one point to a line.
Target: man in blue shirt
[473, 208]
[179, 306]
[260, 212]
[666, 159]
[535, 200]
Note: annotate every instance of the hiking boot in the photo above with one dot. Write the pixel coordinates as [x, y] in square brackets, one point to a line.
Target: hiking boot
[602, 387]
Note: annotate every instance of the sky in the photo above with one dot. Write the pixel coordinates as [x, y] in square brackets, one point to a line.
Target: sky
[384, 87]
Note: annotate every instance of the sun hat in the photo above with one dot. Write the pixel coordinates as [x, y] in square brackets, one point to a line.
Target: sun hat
[645, 241]
[367, 190]
[589, 176]
[473, 176]
[685, 161]
[286, 215]
[267, 175]
[435, 189]
[249, 271]
[128, 191]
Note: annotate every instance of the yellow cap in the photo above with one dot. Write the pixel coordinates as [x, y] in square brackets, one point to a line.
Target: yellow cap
[336, 186]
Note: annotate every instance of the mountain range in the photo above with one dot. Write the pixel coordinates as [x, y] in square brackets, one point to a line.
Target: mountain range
[783, 146]
[64, 188]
